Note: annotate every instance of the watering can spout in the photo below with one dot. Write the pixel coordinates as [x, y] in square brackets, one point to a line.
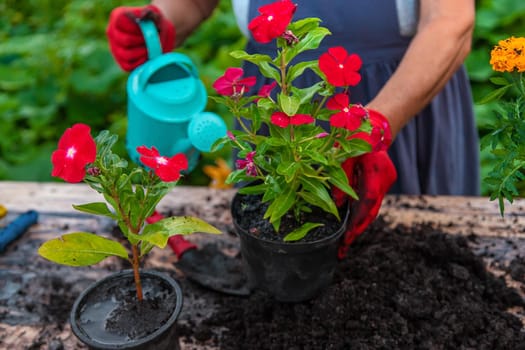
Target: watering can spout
[166, 101]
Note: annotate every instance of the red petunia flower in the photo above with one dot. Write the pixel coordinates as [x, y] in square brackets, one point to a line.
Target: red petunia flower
[272, 21]
[340, 68]
[380, 137]
[231, 83]
[167, 169]
[247, 164]
[282, 119]
[349, 117]
[76, 149]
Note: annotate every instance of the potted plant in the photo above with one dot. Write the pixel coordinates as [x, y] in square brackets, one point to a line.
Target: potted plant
[290, 211]
[506, 139]
[132, 309]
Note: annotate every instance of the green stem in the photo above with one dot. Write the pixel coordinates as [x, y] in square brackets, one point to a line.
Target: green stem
[284, 87]
[319, 106]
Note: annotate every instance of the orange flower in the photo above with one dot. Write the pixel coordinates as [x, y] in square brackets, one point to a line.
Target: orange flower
[218, 174]
[508, 55]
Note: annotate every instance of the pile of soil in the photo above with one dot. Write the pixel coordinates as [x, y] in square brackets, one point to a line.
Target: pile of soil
[399, 288]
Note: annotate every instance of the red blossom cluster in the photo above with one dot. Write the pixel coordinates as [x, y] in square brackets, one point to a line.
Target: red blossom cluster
[77, 150]
[340, 68]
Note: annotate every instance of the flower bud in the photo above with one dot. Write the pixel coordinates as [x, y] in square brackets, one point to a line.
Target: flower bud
[93, 171]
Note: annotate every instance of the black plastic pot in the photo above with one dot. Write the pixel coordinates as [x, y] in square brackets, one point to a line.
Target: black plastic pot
[93, 309]
[289, 271]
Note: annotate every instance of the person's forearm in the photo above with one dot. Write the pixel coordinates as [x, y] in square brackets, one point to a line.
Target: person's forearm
[436, 52]
[186, 15]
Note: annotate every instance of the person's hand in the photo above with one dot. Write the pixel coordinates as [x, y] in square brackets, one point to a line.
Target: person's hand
[126, 41]
[371, 176]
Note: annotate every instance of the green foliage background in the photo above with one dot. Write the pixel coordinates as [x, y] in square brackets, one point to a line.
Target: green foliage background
[495, 20]
[56, 69]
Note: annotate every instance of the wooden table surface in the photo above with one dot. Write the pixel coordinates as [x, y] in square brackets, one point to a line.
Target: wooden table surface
[53, 201]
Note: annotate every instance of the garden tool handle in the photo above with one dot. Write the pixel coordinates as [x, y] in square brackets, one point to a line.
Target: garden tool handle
[16, 228]
[180, 245]
[177, 243]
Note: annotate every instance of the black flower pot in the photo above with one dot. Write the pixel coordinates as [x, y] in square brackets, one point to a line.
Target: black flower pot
[107, 315]
[288, 271]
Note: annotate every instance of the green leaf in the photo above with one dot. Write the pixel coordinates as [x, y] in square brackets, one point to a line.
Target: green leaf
[97, 208]
[298, 69]
[237, 176]
[499, 81]
[304, 25]
[339, 179]
[317, 189]
[275, 142]
[288, 170]
[253, 58]
[269, 71]
[289, 104]
[356, 147]
[310, 41]
[265, 103]
[302, 231]
[81, 249]
[253, 189]
[159, 232]
[305, 95]
[318, 158]
[280, 205]
[494, 95]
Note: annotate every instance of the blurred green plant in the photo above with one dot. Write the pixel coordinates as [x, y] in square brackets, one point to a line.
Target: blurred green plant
[506, 139]
[56, 70]
[494, 22]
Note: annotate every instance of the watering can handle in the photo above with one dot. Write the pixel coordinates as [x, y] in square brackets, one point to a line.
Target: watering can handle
[151, 37]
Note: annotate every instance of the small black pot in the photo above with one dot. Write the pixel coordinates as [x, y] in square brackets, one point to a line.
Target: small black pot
[93, 310]
[289, 271]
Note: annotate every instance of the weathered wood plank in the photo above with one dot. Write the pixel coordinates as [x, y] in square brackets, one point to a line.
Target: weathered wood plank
[53, 201]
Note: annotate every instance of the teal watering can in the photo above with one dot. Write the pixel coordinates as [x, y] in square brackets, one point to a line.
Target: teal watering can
[166, 101]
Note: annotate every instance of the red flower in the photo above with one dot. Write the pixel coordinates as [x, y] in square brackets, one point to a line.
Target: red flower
[231, 83]
[156, 216]
[339, 67]
[272, 21]
[282, 119]
[349, 117]
[76, 149]
[380, 137]
[266, 90]
[248, 164]
[167, 169]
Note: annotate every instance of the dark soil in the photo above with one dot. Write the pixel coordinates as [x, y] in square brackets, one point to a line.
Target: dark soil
[137, 320]
[399, 288]
[249, 210]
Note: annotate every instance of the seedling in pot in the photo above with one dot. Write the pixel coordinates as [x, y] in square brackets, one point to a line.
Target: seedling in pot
[130, 194]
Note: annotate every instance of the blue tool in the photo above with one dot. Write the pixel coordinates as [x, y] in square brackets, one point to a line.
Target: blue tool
[14, 229]
[166, 101]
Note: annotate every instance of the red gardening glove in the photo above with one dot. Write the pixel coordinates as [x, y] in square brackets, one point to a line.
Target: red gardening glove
[125, 37]
[371, 176]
